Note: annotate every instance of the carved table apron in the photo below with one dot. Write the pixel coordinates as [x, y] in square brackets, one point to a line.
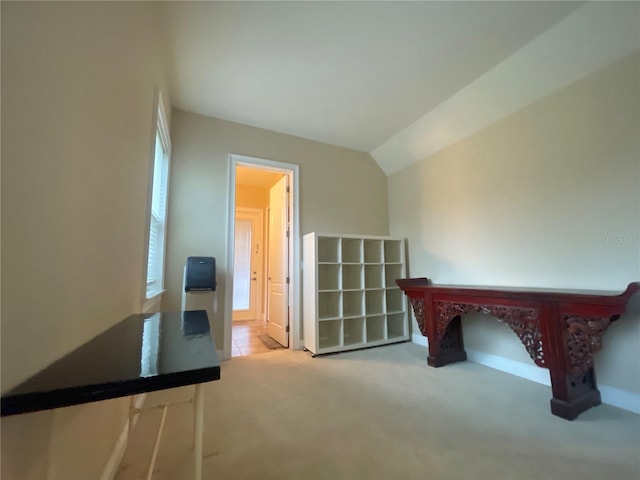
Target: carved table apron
[562, 330]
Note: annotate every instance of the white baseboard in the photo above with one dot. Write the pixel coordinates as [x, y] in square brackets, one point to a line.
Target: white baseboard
[111, 468]
[420, 340]
[610, 395]
[519, 369]
[620, 398]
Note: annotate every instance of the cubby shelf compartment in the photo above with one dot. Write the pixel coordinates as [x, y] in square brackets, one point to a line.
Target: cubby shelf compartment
[396, 326]
[350, 298]
[328, 250]
[353, 331]
[376, 328]
[352, 277]
[329, 305]
[395, 300]
[351, 250]
[391, 274]
[374, 301]
[352, 304]
[373, 276]
[329, 276]
[330, 333]
[373, 252]
[393, 250]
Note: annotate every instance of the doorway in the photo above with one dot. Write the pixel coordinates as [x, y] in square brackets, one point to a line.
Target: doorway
[247, 264]
[262, 250]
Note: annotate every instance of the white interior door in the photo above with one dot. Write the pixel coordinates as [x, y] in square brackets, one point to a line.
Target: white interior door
[277, 284]
[247, 264]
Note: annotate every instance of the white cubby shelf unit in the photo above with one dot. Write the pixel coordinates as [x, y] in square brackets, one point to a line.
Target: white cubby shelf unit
[350, 297]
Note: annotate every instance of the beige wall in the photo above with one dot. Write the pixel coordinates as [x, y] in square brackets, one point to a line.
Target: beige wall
[78, 85]
[548, 197]
[341, 191]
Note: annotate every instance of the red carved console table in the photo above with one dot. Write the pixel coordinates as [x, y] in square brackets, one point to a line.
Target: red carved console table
[562, 330]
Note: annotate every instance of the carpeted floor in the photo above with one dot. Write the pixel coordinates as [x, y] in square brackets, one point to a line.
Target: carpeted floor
[382, 414]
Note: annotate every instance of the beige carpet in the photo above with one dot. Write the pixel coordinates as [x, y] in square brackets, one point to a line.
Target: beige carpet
[382, 413]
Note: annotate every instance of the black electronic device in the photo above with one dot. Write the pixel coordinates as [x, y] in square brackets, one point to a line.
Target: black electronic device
[200, 274]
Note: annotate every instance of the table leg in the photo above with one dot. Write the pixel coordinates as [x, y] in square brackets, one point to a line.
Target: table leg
[132, 412]
[573, 395]
[157, 444]
[450, 348]
[198, 418]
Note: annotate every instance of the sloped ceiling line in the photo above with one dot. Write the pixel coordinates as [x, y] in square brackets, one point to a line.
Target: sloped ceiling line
[589, 39]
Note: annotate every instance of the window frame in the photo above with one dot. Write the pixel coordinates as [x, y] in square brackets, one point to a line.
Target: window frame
[160, 131]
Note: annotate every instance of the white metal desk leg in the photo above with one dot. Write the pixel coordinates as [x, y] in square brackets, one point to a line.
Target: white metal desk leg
[132, 412]
[198, 430]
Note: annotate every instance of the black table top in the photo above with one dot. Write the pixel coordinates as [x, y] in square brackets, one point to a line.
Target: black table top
[142, 353]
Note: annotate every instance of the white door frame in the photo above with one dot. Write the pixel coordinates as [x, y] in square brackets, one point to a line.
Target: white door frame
[294, 246]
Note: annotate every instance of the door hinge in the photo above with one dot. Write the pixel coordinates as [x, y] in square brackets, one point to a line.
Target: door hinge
[287, 233]
[288, 189]
[287, 280]
[287, 329]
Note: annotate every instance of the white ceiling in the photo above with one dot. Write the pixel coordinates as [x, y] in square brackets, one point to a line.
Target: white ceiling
[363, 75]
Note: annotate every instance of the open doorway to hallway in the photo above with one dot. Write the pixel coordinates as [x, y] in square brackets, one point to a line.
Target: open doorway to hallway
[251, 260]
[264, 226]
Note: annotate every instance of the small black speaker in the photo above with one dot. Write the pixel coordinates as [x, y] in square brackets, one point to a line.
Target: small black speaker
[200, 274]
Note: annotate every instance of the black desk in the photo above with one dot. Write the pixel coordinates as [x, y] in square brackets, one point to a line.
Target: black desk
[142, 353]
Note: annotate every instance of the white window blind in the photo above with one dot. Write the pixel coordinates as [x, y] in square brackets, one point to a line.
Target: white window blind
[158, 220]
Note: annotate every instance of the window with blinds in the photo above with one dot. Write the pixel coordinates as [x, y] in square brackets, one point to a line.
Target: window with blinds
[158, 220]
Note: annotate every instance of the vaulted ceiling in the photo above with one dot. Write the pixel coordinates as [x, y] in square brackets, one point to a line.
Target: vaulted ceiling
[397, 79]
